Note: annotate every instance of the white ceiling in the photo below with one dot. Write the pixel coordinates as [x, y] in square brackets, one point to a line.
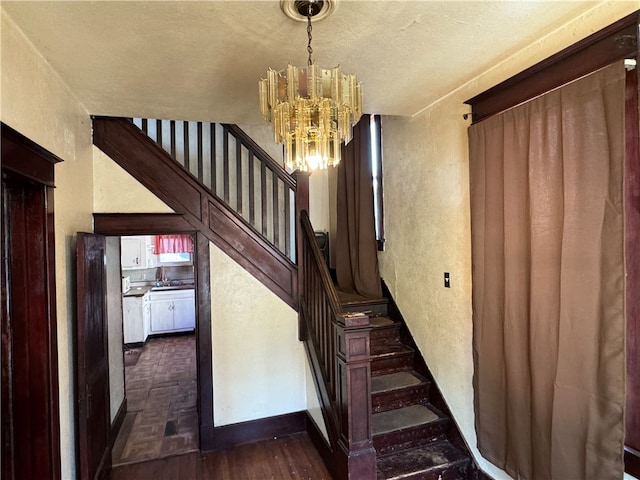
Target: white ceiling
[202, 60]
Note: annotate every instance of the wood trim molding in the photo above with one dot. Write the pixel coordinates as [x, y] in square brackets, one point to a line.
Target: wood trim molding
[143, 224]
[321, 444]
[140, 223]
[203, 338]
[632, 462]
[615, 42]
[116, 425]
[229, 436]
[23, 156]
[31, 341]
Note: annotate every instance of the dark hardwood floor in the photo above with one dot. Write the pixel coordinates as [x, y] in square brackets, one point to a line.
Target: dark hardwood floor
[286, 458]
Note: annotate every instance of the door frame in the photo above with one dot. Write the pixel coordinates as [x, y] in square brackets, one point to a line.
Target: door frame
[125, 224]
[92, 385]
[31, 163]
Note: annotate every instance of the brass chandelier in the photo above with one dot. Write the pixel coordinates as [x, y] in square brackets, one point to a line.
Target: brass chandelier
[312, 109]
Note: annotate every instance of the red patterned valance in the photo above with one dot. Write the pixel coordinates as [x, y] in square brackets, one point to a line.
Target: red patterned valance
[173, 244]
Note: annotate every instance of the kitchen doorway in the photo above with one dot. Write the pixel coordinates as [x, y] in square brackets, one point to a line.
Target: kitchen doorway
[159, 348]
[117, 225]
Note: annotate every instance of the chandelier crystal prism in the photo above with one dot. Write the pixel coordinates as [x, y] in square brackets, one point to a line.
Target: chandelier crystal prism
[312, 109]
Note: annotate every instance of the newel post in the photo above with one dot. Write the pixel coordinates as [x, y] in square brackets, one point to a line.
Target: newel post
[357, 456]
[302, 203]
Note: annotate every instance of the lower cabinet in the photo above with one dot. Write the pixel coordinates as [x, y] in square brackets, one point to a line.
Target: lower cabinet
[172, 311]
[135, 316]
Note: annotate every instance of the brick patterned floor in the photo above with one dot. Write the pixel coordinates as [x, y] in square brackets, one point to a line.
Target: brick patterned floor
[161, 415]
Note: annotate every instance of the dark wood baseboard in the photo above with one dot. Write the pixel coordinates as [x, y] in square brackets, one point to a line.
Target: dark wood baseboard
[117, 423]
[320, 443]
[632, 461]
[229, 436]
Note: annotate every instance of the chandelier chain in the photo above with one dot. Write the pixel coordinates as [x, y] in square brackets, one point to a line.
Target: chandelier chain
[309, 15]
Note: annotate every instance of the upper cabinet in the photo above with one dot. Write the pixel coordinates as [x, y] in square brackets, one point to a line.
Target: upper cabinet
[137, 252]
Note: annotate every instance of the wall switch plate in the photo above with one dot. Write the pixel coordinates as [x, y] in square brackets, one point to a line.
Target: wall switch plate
[447, 280]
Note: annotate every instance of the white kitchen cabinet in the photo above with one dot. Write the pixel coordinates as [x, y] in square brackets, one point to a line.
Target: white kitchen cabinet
[172, 311]
[131, 252]
[137, 252]
[133, 319]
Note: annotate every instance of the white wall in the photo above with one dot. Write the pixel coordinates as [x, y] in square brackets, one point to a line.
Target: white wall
[427, 220]
[114, 326]
[115, 191]
[258, 362]
[38, 104]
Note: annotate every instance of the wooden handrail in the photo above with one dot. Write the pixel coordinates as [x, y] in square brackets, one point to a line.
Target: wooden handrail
[154, 168]
[233, 167]
[338, 348]
[261, 154]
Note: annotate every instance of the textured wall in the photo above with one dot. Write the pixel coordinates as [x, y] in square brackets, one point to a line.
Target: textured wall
[258, 362]
[114, 313]
[115, 191]
[426, 188]
[38, 104]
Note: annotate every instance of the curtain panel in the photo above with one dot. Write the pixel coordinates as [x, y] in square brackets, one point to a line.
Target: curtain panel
[356, 245]
[173, 244]
[548, 282]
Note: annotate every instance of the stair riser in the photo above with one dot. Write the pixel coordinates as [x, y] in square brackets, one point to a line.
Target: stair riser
[457, 471]
[381, 402]
[393, 363]
[410, 437]
[385, 335]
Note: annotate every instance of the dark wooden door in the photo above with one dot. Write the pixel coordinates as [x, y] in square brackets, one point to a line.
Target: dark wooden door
[30, 428]
[29, 358]
[92, 372]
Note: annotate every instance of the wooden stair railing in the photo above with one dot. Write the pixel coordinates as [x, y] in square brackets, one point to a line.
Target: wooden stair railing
[235, 169]
[152, 166]
[338, 347]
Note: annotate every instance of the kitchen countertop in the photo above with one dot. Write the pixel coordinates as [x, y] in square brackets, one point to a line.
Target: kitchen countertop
[139, 291]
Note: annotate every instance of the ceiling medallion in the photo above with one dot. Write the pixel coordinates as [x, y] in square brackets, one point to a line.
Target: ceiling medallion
[297, 10]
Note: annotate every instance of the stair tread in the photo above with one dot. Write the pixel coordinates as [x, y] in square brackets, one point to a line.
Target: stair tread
[380, 322]
[403, 418]
[431, 457]
[389, 350]
[395, 381]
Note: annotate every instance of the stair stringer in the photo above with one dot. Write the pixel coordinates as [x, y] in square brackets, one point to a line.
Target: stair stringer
[154, 168]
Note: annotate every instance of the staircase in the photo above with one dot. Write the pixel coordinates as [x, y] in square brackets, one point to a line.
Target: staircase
[409, 433]
[241, 200]
[248, 206]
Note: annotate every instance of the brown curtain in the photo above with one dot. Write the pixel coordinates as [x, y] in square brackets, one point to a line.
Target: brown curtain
[356, 247]
[548, 282]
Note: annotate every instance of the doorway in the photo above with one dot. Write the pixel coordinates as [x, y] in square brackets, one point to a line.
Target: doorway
[29, 344]
[159, 347]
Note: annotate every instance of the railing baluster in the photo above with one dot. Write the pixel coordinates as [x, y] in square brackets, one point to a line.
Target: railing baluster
[186, 146]
[275, 210]
[287, 221]
[213, 158]
[173, 138]
[263, 193]
[200, 162]
[159, 132]
[252, 193]
[239, 179]
[225, 163]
